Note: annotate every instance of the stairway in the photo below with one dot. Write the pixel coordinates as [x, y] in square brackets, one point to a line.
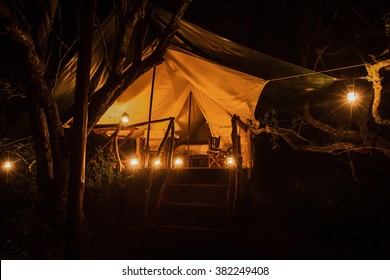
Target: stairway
[193, 203]
[194, 199]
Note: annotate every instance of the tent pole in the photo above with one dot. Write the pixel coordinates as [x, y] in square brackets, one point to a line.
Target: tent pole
[189, 129]
[171, 145]
[150, 118]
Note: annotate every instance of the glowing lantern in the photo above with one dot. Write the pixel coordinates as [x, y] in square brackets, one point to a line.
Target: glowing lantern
[125, 118]
[157, 162]
[352, 97]
[230, 161]
[7, 165]
[134, 162]
[179, 162]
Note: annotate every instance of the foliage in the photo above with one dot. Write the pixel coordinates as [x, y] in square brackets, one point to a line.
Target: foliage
[336, 195]
[21, 175]
[12, 98]
[101, 175]
[386, 20]
[270, 120]
[24, 234]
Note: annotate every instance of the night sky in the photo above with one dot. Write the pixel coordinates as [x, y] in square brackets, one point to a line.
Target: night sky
[284, 29]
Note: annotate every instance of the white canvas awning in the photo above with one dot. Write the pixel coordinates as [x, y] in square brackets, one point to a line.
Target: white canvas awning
[218, 92]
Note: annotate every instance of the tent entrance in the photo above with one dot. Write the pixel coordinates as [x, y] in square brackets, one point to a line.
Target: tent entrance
[128, 144]
[193, 142]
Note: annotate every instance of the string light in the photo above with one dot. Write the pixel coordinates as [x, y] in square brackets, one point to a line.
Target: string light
[230, 161]
[157, 162]
[134, 162]
[352, 96]
[317, 72]
[179, 162]
[7, 165]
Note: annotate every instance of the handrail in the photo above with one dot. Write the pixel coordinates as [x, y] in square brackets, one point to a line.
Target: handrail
[243, 125]
[170, 130]
[134, 124]
[234, 193]
[168, 180]
[236, 174]
[163, 142]
[171, 146]
[114, 137]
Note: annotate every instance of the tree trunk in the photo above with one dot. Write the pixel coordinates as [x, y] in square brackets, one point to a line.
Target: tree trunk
[44, 163]
[79, 137]
[46, 125]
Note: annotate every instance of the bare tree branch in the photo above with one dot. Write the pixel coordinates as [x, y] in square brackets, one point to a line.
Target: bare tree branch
[60, 63]
[376, 79]
[47, 13]
[14, 9]
[127, 22]
[118, 82]
[335, 148]
[171, 29]
[143, 28]
[362, 18]
[296, 134]
[344, 134]
[106, 56]
[35, 67]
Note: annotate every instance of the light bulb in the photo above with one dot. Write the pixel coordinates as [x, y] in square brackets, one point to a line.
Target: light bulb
[125, 118]
[352, 97]
[7, 165]
[134, 162]
[179, 162]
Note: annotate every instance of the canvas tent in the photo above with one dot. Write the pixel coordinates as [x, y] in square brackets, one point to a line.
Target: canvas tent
[204, 79]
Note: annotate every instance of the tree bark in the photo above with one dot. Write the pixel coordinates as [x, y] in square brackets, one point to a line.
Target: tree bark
[374, 76]
[45, 122]
[44, 163]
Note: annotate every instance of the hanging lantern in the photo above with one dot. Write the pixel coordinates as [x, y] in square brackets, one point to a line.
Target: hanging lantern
[352, 96]
[125, 118]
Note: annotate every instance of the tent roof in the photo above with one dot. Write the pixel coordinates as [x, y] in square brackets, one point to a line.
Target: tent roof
[198, 41]
[285, 81]
[218, 91]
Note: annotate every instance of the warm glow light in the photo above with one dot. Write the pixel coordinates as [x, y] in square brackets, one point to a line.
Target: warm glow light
[157, 162]
[179, 162]
[7, 165]
[134, 162]
[125, 118]
[352, 97]
[230, 161]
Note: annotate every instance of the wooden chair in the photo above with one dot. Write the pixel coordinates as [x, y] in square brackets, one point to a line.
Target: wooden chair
[214, 152]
